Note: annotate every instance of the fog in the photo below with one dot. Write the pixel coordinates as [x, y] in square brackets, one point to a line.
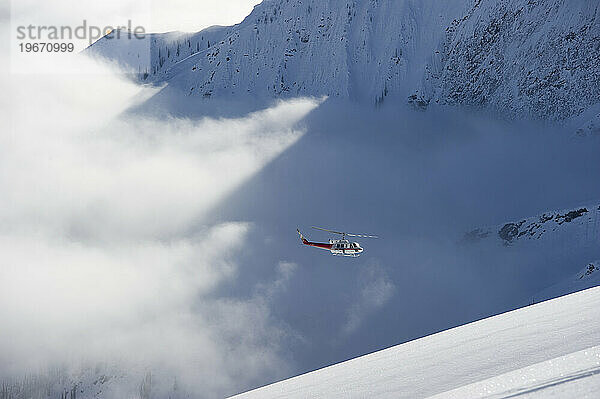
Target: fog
[106, 259]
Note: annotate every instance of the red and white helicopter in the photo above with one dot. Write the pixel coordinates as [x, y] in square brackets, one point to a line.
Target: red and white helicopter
[341, 247]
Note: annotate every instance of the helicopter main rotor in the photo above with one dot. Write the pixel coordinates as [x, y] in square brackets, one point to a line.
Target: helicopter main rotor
[344, 234]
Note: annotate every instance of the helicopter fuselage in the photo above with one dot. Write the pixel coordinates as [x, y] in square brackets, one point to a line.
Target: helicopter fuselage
[345, 248]
[341, 247]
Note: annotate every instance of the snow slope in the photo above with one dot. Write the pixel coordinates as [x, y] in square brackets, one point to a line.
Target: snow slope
[570, 229]
[575, 375]
[571, 225]
[542, 350]
[522, 57]
[587, 277]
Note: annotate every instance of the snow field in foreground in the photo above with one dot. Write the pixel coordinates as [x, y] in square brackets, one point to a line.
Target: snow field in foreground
[576, 375]
[545, 350]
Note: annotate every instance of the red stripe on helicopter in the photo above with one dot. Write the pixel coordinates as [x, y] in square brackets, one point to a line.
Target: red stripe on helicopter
[318, 244]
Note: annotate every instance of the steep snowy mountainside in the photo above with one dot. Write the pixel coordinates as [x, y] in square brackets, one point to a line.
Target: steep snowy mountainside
[94, 382]
[364, 50]
[148, 55]
[586, 278]
[575, 230]
[522, 57]
[533, 350]
[579, 225]
[539, 58]
[590, 128]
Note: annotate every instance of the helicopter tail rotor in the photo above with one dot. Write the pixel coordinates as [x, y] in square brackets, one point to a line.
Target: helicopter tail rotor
[304, 240]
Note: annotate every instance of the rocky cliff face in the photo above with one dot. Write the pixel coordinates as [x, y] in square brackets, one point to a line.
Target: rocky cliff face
[539, 58]
[522, 57]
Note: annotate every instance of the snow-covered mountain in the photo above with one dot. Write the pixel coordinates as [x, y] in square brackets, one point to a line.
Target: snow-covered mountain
[545, 350]
[572, 225]
[522, 57]
[586, 278]
[538, 58]
[590, 128]
[571, 229]
[92, 382]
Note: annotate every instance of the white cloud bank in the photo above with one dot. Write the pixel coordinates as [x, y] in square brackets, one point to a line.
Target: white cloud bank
[104, 255]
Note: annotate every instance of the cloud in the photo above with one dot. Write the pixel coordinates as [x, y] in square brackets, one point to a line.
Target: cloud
[285, 271]
[375, 290]
[106, 255]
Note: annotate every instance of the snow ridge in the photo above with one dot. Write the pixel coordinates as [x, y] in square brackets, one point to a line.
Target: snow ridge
[587, 277]
[581, 224]
[521, 57]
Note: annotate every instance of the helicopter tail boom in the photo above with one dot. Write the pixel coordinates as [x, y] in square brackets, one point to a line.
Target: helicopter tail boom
[313, 244]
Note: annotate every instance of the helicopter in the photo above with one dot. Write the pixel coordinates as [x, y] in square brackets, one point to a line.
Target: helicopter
[341, 247]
